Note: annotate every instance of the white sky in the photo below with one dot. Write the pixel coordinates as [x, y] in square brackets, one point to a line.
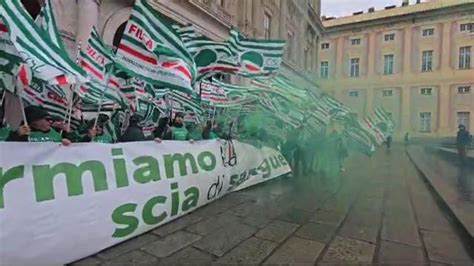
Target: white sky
[339, 8]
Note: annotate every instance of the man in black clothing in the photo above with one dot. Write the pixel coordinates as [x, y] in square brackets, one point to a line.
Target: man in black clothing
[133, 132]
[463, 140]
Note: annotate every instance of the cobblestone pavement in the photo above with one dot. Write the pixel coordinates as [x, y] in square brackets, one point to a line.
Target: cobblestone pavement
[379, 211]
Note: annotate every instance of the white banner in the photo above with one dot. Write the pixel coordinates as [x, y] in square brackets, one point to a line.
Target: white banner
[60, 204]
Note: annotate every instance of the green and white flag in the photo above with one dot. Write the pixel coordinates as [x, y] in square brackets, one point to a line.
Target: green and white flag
[188, 102]
[45, 20]
[14, 72]
[211, 57]
[47, 61]
[256, 57]
[52, 98]
[151, 49]
[97, 59]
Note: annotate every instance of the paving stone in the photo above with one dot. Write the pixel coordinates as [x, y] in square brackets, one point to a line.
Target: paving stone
[244, 209]
[225, 238]
[176, 225]
[296, 251]
[296, 216]
[251, 251]
[212, 224]
[362, 225]
[127, 246]
[401, 229]
[331, 217]
[188, 255]
[170, 244]
[277, 231]
[133, 258]
[86, 262]
[318, 232]
[258, 220]
[400, 254]
[349, 251]
[445, 248]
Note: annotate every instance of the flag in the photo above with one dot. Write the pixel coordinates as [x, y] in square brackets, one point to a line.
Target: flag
[256, 57]
[187, 101]
[97, 59]
[359, 141]
[224, 95]
[384, 121]
[151, 49]
[14, 72]
[211, 57]
[370, 127]
[52, 98]
[47, 61]
[45, 21]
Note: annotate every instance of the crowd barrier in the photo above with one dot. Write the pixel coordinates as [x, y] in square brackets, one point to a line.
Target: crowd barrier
[59, 204]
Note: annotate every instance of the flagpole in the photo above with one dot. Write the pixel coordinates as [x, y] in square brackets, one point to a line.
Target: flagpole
[22, 107]
[107, 79]
[2, 106]
[71, 100]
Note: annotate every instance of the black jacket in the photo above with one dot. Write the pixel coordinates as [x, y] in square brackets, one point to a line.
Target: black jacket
[133, 133]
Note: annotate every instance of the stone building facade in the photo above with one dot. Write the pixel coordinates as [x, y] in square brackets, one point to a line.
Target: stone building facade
[415, 60]
[295, 20]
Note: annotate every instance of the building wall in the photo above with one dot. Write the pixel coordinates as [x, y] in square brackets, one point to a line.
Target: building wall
[212, 18]
[405, 102]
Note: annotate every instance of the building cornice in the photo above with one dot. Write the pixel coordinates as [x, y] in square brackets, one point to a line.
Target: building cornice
[412, 17]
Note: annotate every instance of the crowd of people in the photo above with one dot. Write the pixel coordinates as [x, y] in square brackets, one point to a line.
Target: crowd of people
[41, 127]
[318, 153]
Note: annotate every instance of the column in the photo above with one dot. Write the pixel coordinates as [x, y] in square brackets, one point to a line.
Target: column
[87, 17]
[446, 51]
[371, 55]
[340, 58]
[444, 110]
[369, 101]
[407, 50]
[405, 112]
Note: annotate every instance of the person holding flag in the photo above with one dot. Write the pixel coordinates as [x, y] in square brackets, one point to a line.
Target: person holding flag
[178, 131]
[37, 128]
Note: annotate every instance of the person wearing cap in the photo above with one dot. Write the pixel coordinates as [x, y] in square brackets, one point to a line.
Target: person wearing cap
[178, 131]
[463, 139]
[97, 134]
[134, 132]
[38, 128]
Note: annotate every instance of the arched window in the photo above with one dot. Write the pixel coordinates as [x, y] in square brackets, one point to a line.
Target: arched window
[118, 34]
[32, 6]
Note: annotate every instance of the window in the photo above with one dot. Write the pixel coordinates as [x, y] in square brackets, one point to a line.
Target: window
[426, 91]
[355, 41]
[220, 3]
[389, 37]
[325, 45]
[428, 32]
[388, 64]
[467, 27]
[289, 48]
[267, 25]
[355, 67]
[324, 70]
[387, 93]
[463, 119]
[427, 61]
[465, 57]
[464, 89]
[353, 93]
[425, 122]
